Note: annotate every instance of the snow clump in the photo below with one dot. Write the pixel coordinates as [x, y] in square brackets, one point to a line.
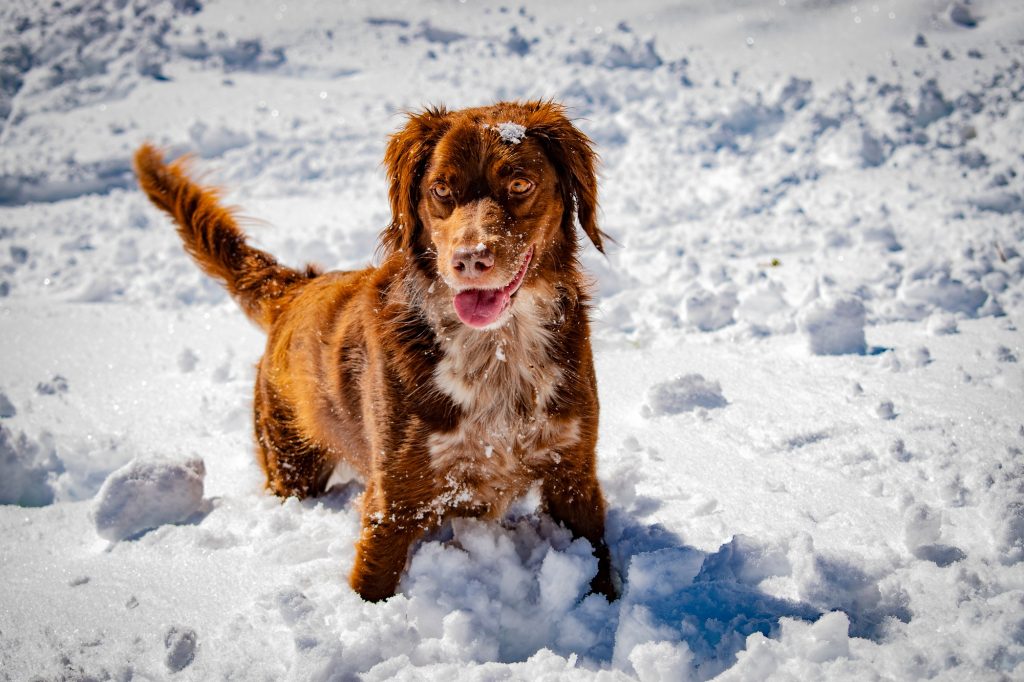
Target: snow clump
[511, 132]
[146, 494]
[683, 393]
[834, 328]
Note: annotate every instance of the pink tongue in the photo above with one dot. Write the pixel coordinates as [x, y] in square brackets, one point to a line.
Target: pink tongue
[480, 307]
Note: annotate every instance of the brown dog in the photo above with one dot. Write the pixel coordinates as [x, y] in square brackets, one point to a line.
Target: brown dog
[456, 374]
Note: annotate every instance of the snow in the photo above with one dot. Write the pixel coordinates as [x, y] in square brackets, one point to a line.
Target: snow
[834, 327]
[683, 394]
[807, 337]
[147, 493]
[510, 132]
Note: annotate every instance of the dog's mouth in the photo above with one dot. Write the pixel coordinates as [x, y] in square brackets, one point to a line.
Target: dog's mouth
[482, 307]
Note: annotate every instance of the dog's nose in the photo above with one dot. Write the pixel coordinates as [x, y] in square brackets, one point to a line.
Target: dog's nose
[472, 262]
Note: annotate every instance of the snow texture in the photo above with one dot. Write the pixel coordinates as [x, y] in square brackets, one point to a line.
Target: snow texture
[684, 394]
[146, 494]
[834, 327]
[513, 133]
[807, 335]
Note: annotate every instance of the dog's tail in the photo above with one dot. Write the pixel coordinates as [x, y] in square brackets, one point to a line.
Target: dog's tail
[212, 236]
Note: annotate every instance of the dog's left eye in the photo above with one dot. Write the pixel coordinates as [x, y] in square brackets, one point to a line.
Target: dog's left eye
[520, 186]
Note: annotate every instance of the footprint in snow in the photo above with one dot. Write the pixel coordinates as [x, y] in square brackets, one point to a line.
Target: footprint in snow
[684, 393]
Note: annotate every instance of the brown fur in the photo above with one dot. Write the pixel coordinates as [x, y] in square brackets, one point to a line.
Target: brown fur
[375, 368]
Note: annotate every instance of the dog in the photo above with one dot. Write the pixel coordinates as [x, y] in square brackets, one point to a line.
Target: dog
[456, 375]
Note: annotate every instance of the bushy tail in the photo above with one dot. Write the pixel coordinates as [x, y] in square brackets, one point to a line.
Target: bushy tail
[213, 238]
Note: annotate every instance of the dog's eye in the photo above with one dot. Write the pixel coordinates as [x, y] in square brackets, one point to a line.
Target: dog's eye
[520, 186]
[441, 190]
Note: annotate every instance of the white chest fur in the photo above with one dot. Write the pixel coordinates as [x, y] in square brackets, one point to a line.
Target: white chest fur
[502, 379]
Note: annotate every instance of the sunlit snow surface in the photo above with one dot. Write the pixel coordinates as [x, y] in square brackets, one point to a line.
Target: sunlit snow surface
[807, 341]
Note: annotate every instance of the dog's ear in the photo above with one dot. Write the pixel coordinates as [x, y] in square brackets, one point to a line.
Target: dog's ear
[573, 156]
[405, 161]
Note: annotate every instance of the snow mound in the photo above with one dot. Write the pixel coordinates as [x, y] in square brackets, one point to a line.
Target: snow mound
[489, 594]
[800, 652]
[684, 394]
[834, 328]
[148, 493]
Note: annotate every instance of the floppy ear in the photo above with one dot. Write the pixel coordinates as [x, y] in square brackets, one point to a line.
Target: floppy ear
[573, 156]
[405, 161]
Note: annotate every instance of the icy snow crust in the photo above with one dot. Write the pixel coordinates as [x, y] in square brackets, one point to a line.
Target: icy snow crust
[807, 342]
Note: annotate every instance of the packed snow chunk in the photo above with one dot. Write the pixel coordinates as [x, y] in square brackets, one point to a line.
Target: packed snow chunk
[683, 393]
[662, 661]
[834, 328]
[512, 133]
[147, 493]
[800, 652]
[564, 576]
[708, 311]
[180, 643]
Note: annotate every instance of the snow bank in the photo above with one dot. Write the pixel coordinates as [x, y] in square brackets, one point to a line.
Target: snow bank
[148, 493]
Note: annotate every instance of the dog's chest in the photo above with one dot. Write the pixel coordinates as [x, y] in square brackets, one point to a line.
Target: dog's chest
[505, 438]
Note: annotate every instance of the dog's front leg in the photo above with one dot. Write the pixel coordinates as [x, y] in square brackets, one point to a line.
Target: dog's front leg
[572, 496]
[381, 555]
[393, 518]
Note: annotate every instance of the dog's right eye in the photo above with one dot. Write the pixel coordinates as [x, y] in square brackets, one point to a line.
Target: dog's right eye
[442, 191]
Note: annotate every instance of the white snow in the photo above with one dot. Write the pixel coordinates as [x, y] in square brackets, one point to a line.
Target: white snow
[807, 337]
[510, 132]
[683, 394]
[834, 327]
[147, 493]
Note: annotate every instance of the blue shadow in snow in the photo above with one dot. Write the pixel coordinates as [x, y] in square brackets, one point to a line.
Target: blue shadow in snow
[711, 601]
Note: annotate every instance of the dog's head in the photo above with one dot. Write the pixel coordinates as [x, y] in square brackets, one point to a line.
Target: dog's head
[485, 201]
